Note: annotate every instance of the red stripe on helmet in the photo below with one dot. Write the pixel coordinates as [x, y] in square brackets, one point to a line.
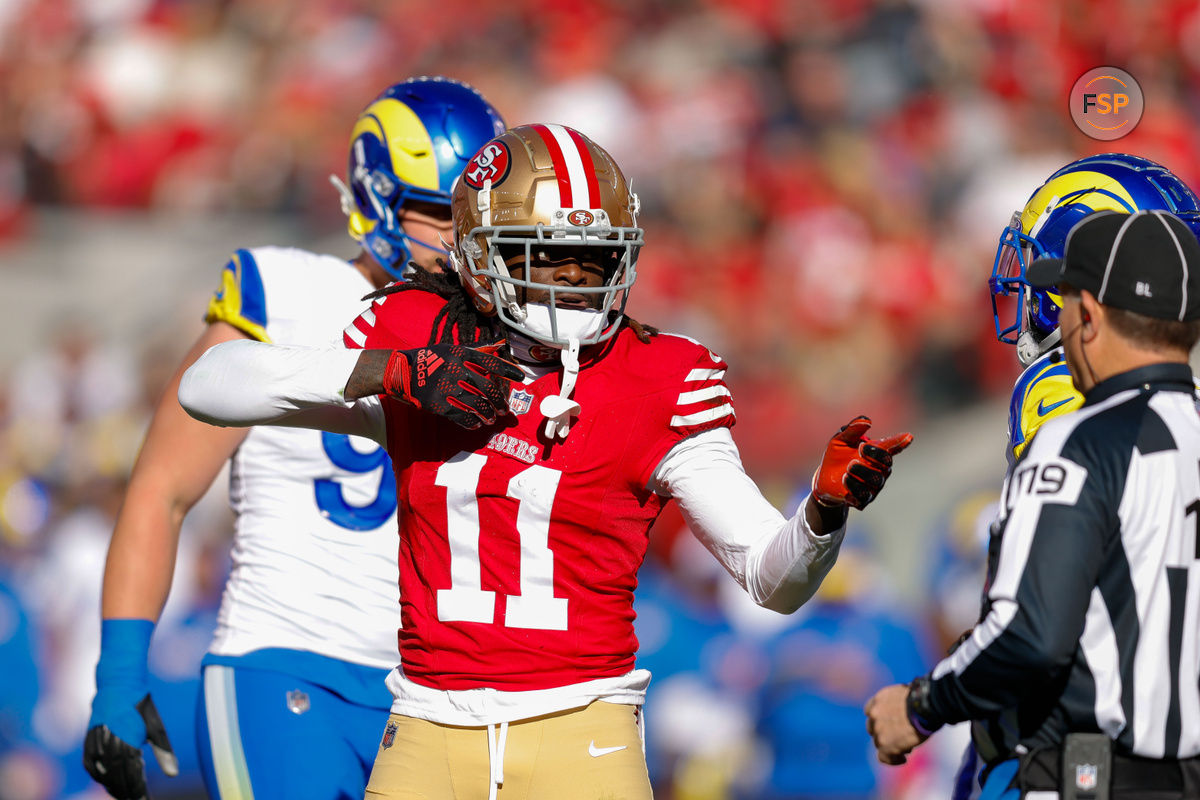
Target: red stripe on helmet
[565, 198]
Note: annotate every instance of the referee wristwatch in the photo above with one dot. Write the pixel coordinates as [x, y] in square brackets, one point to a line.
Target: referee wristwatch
[916, 704]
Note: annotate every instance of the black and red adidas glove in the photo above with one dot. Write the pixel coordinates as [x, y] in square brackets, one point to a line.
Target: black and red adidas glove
[466, 386]
[854, 468]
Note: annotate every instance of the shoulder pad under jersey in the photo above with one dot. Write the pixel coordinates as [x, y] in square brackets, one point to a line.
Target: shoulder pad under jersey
[691, 375]
[396, 321]
[241, 301]
[1043, 391]
[688, 383]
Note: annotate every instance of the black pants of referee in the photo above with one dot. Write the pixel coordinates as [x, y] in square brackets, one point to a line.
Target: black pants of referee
[1133, 778]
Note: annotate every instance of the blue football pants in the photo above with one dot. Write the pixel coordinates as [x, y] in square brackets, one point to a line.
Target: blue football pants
[270, 736]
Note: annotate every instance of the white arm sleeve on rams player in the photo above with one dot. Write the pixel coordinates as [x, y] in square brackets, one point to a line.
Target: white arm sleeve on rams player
[244, 383]
[779, 562]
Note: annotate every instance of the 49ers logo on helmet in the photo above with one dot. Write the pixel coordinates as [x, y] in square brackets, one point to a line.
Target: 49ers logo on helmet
[491, 161]
[580, 217]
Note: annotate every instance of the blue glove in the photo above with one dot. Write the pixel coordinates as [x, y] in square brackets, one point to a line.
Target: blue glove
[123, 715]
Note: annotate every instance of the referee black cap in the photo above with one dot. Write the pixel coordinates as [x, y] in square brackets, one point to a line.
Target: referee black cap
[1147, 262]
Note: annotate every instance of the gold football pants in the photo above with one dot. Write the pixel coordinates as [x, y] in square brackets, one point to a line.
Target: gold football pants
[592, 753]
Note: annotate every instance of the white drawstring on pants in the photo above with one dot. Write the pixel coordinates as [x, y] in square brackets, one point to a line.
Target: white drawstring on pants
[496, 757]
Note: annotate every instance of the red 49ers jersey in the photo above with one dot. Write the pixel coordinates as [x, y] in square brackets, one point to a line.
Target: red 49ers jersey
[518, 555]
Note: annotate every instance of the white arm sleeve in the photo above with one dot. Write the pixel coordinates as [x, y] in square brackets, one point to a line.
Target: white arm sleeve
[779, 562]
[244, 382]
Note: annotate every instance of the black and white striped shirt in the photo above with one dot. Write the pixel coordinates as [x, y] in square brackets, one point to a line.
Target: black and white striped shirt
[1092, 608]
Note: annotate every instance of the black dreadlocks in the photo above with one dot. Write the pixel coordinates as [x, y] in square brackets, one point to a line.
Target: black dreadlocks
[460, 318]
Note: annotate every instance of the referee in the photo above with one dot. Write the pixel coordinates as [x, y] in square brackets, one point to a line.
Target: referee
[1085, 667]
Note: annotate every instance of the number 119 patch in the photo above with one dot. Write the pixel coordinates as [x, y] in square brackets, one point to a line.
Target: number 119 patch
[1055, 481]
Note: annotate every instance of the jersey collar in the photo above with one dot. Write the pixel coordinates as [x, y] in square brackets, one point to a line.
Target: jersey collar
[1163, 377]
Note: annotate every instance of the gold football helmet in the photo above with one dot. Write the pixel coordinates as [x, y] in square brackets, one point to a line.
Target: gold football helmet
[533, 188]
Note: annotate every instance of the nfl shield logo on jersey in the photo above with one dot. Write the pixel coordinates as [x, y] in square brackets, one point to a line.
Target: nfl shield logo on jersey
[297, 701]
[389, 735]
[519, 401]
[1085, 776]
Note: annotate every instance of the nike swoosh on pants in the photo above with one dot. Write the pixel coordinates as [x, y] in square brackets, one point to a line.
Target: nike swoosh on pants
[596, 752]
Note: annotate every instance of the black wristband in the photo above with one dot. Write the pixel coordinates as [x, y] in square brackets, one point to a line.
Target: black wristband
[916, 704]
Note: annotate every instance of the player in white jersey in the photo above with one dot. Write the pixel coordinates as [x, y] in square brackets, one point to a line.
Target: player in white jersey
[293, 698]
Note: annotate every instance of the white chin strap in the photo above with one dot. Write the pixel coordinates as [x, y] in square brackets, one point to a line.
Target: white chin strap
[575, 326]
[558, 409]
[580, 324]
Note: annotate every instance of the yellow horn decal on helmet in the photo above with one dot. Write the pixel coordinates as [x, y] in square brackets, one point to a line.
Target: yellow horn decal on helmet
[1095, 190]
[408, 143]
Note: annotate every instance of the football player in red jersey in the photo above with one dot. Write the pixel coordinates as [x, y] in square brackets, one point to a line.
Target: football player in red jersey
[536, 432]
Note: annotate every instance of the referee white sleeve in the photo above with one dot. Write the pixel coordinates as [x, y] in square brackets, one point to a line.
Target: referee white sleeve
[244, 382]
[779, 562]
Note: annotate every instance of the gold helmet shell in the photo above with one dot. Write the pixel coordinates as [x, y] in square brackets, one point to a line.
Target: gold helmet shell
[538, 186]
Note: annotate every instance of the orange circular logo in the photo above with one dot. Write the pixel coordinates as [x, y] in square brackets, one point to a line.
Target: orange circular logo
[1106, 103]
[542, 352]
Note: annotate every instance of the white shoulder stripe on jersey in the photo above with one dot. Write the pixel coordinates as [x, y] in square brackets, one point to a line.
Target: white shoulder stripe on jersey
[705, 374]
[355, 335]
[570, 151]
[708, 415]
[708, 393]
[369, 316]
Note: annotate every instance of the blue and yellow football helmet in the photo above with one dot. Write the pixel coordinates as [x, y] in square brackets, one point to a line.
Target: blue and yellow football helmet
[1107, 182]
[406, 149]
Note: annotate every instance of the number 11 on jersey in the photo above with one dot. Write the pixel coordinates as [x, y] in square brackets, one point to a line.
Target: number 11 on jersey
[466, 600]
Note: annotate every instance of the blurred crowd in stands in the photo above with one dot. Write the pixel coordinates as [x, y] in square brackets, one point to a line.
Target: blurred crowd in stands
[822, 182]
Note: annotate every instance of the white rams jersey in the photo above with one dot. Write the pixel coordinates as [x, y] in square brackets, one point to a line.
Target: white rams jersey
[314, 556]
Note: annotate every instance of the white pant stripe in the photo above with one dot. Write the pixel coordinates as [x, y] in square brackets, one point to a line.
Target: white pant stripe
[229, 760]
